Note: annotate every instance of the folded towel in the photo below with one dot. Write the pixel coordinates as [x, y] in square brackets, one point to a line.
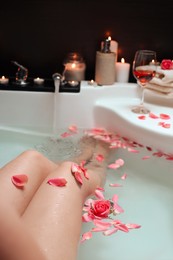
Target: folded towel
[162, 82]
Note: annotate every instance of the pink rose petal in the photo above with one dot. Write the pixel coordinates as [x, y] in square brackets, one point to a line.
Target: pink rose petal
[19, 180]
[145, 157]
[99, 157]
[78, 177]
[153, 116]
[86, 236]
[117, 209]
[113, 166]
[66, 134]
[86, 218]
[73, 128]
[115, 185]
[99, 229]
[164, 116]
[110, 231]
[120, 162]
[166, 125]
[122, 227]
[132, 226]
[132, 150]
[99, 194]
[101, 224]
[124, 176]
[59, 182]
[142, 117]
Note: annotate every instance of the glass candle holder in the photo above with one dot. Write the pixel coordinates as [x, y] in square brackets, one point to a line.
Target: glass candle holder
[74, 67]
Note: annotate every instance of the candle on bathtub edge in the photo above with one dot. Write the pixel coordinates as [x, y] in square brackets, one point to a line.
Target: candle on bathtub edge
[122, 70]
[113, 47]
[4, 80]
[38, 81]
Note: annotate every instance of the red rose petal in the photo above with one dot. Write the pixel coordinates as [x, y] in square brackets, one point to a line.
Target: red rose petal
[164, 116]
[19, 180]
[59, 182]
[151, 115]
[142, 117]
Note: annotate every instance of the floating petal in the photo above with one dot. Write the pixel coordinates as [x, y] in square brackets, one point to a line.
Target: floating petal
[73, 128]
[86, 218]
[101, 224]
[115, 185]
[145, 157]
[100, 158]
[132, 150]
[113, 166]
[132, 226]
[99, 194]
[66, 134]
[86, 236]
[110, 231]
[124, 176]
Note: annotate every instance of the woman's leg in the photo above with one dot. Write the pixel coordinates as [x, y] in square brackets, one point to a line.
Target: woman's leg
[55, 213]
[30, 163]
[16, 242]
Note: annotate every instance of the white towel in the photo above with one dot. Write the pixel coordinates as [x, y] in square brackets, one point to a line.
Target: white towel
[162, 82]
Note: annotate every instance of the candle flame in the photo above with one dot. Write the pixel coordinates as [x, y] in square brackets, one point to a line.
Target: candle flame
[3, 77]
[73, 65]
[122, 60]
[109, 38]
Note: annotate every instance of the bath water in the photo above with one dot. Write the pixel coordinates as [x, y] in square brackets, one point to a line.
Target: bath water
[146, 196]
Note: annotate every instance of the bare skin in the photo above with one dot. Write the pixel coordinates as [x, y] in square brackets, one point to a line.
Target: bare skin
[49, 216]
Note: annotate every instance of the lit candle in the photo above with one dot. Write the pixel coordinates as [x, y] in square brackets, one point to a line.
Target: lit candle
[92, 83]
[73, 83]
[4, 80]
[122, 70]
[38, 81]
[74, 71]
[113, 47]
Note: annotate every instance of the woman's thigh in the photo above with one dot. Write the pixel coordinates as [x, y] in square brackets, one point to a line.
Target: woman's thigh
[30, 163]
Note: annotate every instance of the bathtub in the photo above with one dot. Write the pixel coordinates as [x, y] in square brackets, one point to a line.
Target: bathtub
[28, 118]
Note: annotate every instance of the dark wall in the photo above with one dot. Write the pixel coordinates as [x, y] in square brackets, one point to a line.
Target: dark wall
[39, 34]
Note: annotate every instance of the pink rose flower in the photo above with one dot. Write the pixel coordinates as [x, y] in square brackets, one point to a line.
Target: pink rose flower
[166, 65]
[100, 208]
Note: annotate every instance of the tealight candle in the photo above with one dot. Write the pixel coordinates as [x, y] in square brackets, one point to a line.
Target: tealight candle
[4, 80]
[38, 81]
[122, 70]
[92, 83]
[73, 83]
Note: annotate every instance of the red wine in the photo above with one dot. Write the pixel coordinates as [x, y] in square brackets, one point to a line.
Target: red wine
[144, 75]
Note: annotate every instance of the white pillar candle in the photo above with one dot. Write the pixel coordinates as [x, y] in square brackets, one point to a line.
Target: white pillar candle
[4, 80]
[122, 70]
[38, 81]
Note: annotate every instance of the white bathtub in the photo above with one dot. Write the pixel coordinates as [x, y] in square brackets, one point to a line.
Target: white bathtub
[146, 195]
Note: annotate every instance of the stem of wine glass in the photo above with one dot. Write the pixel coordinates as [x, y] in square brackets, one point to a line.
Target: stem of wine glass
[142, 95]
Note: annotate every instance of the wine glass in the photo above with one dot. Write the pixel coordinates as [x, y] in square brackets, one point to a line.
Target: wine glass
[144, 69]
